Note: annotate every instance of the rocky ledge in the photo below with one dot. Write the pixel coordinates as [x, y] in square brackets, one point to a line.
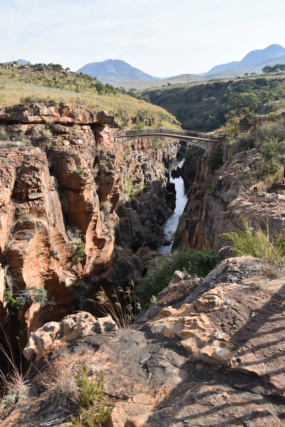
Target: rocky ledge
[210, 353]
[77, 210]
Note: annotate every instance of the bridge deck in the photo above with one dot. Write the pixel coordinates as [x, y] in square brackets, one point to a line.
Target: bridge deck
[168, 133]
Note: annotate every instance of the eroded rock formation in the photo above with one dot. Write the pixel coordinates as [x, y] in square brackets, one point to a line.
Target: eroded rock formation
[75, 206]
[219, 202]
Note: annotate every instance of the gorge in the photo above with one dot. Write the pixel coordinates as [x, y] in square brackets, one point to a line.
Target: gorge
[81, 211]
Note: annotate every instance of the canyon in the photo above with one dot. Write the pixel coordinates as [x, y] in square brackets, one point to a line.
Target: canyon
[66, 185]
[81, 212]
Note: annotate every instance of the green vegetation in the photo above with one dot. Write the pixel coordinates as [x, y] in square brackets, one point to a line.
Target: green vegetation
[17, 300]
[73, 395]
[215, 159]
[52, 84]
[268, 138]
[203, 106]
[274, 69]
[160, 270]
[130, 189]
[79, 254]
[93, 410]
[257, 243]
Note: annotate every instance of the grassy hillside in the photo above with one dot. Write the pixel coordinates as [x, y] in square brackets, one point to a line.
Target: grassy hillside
[51, 83]
[205, 106]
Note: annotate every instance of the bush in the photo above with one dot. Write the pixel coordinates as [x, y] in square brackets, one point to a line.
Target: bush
[17, 300]
[269, 148]
[256, 243]
[93, 410]
[79, 254]
[73, 395]
[215, 159]
[160, 270]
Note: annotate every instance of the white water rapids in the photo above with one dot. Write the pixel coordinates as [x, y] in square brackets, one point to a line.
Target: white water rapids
[171, 224]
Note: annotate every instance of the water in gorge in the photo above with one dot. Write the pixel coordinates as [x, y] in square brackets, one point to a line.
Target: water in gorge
[171, 224]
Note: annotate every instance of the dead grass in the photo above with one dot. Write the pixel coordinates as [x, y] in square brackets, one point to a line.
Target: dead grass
[13, 386]
[27, 84]
[119, 306]
[72, 395]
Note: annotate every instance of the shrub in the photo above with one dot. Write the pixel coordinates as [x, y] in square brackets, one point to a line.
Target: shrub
[161, 269]
[74, 396]
[256, 243]
[17, 300]
[269, 148]
[79, 254]
[215, 159]
[93, 410]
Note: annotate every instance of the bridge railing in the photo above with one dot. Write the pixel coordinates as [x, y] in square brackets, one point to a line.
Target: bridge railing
[158, 130]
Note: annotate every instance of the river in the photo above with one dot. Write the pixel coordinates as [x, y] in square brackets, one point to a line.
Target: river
[171, 224]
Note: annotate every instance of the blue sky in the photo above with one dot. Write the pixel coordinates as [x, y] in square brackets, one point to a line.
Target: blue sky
[160, 37]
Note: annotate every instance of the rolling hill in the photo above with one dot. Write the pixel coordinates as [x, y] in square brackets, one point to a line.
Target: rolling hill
[114, 70]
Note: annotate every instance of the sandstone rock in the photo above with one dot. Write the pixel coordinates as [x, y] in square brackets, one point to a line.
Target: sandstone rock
[61, 114]
[85, 323]
[72, 167]
[49, 336]
[174, 381]
[217, 204]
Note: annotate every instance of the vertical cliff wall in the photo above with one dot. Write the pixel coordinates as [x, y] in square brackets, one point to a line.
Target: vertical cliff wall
[75, 208]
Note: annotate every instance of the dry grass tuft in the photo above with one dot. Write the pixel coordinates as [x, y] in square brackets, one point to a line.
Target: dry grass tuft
[13, 387]
[61, 387]
[119, 306]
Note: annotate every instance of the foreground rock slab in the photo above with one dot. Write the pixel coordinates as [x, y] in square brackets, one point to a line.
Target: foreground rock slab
[209, 353]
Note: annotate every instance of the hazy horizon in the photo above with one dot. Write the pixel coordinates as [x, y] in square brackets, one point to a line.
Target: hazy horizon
[155, 37]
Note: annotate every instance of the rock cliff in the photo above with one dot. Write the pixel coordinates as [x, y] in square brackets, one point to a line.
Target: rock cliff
[75, 207]
[218, 201]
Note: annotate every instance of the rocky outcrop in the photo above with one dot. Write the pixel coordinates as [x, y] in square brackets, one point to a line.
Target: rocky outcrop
[75, 206]
[204, 354]
[82, 324]
[218, 202]
[62, 114]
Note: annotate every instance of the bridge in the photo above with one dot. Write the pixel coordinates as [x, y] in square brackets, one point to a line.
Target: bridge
[198, 139]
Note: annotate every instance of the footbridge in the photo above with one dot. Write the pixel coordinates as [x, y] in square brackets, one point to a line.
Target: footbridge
[198, 139]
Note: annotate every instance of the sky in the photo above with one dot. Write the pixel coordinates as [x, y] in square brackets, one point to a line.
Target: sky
[160, 37]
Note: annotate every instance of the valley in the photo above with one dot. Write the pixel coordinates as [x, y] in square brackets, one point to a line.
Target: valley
[141, 251]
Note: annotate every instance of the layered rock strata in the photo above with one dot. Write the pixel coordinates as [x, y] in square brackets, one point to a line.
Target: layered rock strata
[75, 206]
[219, 201]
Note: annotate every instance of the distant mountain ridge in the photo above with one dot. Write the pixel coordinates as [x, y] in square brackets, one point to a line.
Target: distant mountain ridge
[252, 59]
[114, 70]
[120, 73]
[20, 62]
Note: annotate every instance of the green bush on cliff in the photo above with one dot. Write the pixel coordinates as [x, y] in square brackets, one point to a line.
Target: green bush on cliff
[93, 410]
[160, 270]
[79, 255]
[257, 243]
[16, 300]
[215, 160]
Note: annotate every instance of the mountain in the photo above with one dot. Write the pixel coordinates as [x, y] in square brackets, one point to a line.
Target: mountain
[114, 70]
[20, 62]
[255, 58]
